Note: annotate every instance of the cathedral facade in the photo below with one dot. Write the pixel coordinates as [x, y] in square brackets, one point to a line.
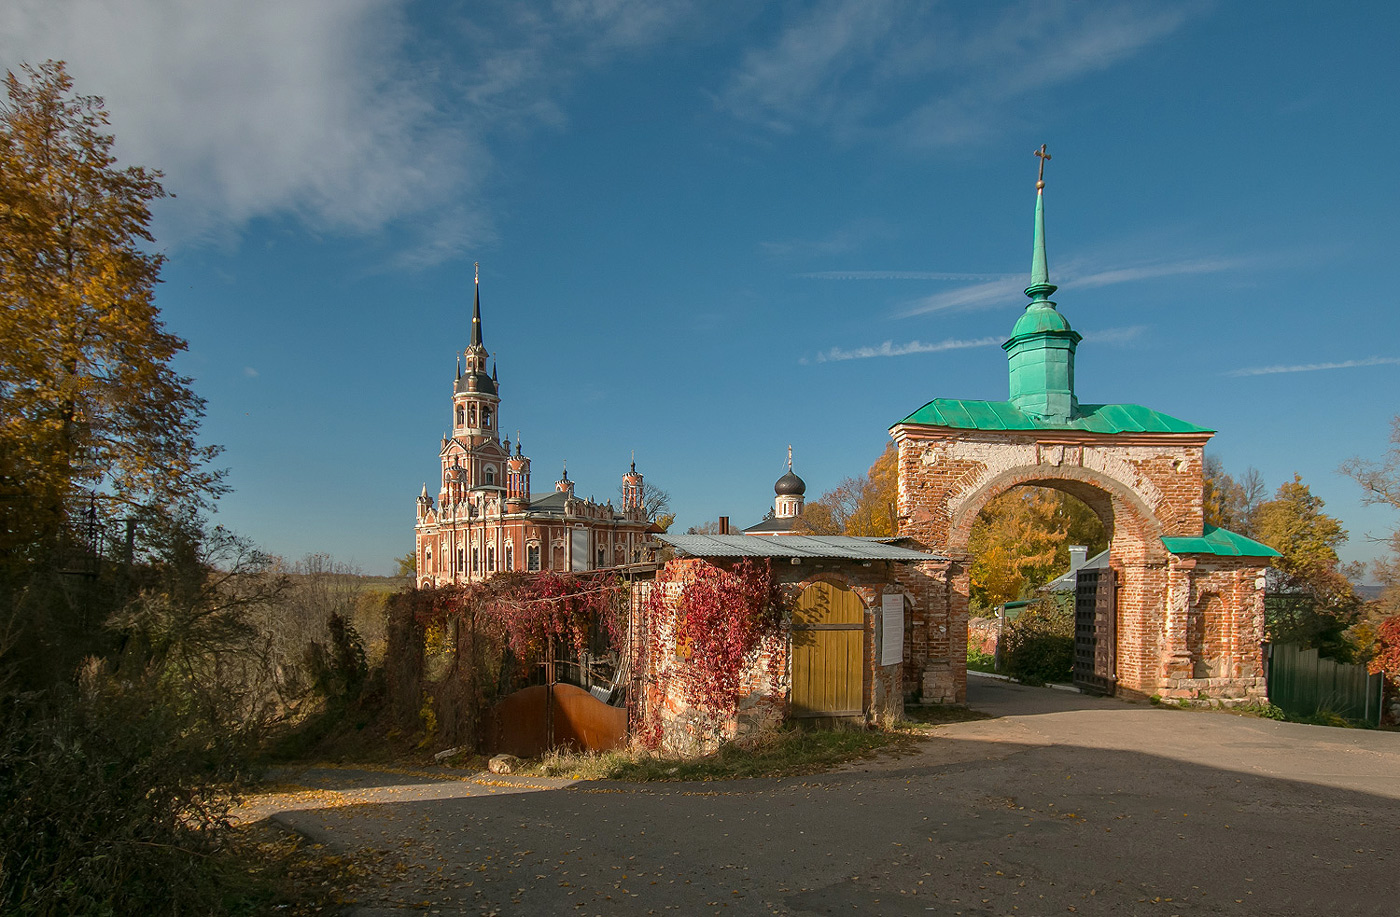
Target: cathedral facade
[486, 520]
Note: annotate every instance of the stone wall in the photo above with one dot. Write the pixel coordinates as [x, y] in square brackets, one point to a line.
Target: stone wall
[1184, 626]
[661, 714]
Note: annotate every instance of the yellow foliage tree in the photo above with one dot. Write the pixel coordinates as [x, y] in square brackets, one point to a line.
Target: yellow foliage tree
[92, 410]
[864, 506]
[1021, 540]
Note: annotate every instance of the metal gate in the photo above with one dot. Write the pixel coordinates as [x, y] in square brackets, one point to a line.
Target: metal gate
[828, 653]
[1095, 631]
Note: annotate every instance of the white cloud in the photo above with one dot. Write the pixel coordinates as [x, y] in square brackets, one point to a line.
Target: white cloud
[1314, 367]
[1115, 336]
[891, 349]
[926, 75]
[328, 111]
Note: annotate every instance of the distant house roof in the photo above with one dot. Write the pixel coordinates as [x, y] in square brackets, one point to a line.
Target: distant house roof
[1066, 582]
[844, 547]
[1221, 542]
[1090, 418]
[773, 525]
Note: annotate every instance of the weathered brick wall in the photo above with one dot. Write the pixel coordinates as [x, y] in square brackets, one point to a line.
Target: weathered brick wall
[1144, 487]
[661, 712]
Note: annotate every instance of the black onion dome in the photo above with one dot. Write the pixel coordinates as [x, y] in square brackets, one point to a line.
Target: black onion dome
[790, 485]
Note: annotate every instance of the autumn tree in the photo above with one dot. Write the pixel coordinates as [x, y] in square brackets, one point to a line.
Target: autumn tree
[862, 506]
[1380, 483]
[93, 411]
[1021, 540]
[1316, 602]
[1230, 503]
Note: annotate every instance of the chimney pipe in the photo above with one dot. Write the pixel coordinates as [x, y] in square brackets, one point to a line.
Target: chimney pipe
[1078, 553]
[724, 525]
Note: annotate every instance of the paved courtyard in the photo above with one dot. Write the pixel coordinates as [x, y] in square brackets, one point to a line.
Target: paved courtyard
[1061, 804]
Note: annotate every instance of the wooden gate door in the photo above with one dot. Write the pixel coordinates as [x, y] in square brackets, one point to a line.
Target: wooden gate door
[1095, 631]
[828, 653]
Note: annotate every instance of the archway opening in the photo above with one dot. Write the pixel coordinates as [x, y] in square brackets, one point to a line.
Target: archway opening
[1032, 550]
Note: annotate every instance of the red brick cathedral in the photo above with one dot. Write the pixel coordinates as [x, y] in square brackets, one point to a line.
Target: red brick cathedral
[486, 519]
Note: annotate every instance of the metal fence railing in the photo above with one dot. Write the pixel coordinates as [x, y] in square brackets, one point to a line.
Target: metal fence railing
[1302, 684]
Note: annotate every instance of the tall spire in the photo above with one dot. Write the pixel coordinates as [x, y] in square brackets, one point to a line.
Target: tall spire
[1040, 289]
[1042, 345]
[476, 310]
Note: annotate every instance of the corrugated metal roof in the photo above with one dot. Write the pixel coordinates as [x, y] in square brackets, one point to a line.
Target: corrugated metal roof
[1221, 542]
[810, 546]
[1091, 418]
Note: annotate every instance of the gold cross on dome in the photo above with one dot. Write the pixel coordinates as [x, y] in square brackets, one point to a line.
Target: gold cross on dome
[1044, 157]
[477, 264]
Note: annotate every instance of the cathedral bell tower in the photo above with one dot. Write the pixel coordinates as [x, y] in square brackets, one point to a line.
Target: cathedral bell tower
[475, 396]
[633, 494]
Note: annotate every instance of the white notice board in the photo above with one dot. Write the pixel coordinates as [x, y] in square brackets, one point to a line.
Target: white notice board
[892, 644]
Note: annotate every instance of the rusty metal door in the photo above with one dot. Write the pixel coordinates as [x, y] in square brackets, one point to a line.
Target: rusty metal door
[828, 653]
[1095, 631]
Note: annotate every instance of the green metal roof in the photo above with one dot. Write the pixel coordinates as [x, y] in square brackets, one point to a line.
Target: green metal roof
[1091, 418]
[1221, 542]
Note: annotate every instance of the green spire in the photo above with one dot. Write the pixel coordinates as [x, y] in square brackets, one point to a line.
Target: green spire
[1042, 345]
[1040, 289]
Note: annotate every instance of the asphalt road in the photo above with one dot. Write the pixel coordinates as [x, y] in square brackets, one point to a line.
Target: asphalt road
[1062, 804]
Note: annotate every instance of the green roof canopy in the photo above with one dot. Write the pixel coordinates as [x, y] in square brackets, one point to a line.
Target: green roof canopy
[1221, 542]
[1091, 418]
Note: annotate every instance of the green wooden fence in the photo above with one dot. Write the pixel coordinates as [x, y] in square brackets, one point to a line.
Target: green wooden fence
[1301, 684]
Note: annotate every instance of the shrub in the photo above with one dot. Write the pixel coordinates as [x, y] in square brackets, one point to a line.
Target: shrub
[1040, 644]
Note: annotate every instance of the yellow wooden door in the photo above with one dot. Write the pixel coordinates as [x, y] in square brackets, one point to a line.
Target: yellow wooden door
[828, 652]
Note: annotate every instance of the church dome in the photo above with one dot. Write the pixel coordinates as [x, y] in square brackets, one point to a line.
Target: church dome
[790, 485]
[477, 382]
[1037, 319]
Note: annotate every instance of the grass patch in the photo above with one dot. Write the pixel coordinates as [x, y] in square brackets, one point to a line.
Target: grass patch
[788, 752]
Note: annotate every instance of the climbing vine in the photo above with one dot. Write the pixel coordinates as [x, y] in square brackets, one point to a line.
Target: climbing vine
[722, 617]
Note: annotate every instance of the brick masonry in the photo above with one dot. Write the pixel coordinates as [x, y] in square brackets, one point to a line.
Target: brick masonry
[1187, 625]
[659, 707]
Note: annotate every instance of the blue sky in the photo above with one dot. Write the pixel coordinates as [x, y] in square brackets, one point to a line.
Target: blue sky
[707, 230]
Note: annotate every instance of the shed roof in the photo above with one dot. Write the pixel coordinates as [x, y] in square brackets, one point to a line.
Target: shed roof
[1218, 541]
[844, 547]
[1090, 418]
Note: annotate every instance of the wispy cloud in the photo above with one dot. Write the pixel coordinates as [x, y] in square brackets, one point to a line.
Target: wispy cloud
[1313, 367]
[330, 112]
[992, 293]
[927, 75]
[891, 349]
[1115, 336]
[840, 241]
[905, 275]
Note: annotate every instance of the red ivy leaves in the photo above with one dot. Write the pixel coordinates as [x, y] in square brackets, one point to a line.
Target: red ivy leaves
[531, 610]
[723, 614]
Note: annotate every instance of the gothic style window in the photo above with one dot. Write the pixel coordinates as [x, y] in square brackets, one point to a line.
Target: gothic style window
[490, 558]
[471, 414]
[461, 417]
[532, 557]
[461, 559]
[510, 556]
[602, 557]
[486, 417]
[427, 559]
[476, 559]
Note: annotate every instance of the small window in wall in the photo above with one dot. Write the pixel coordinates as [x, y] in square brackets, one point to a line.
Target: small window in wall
[532, 557]
[602, 557]
[461, 416]
[427, 559]
[490, 558]
[461, 559]
[471, 415]
[476, 559]
[490, 475]
[510, 556]
[486, 417]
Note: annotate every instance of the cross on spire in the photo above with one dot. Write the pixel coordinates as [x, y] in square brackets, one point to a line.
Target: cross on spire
[1044, 157]
[789, 456]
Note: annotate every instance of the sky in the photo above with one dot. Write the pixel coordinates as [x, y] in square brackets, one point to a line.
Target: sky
[709, 230]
